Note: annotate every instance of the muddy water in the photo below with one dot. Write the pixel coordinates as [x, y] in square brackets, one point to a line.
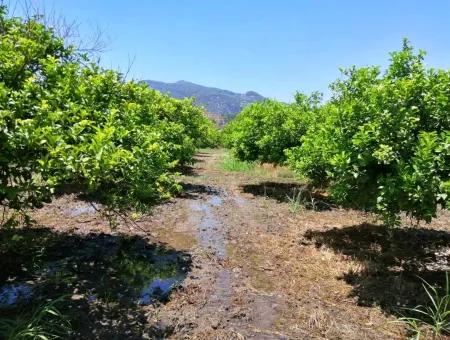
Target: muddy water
[101, 268]
[82, 208]
[158, 288]
[210, 233]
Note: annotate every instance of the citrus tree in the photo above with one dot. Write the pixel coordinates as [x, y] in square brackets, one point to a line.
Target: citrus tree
[263, 131]
[65, 120]
[383, 140]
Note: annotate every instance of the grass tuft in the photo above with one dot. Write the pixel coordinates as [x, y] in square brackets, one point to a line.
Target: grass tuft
[43, 322]
[295, 202]
[435, 316]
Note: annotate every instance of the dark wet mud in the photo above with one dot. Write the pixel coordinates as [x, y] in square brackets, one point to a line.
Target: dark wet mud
[92, 275]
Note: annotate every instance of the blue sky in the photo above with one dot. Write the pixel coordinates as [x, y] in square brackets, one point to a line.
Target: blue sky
[272, 47]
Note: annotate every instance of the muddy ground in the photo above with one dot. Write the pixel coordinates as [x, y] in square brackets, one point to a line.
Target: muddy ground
[243, 264]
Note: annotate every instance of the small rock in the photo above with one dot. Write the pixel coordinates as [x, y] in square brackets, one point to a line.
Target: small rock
[76, 297]
[215, 323]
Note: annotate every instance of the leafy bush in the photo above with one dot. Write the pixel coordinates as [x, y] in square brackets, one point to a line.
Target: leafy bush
[63, 119]
[263, 131]
[383, 140]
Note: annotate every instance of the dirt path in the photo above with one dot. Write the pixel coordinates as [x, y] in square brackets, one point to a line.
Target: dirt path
[248, 266]
[259, 271]
[213, 216]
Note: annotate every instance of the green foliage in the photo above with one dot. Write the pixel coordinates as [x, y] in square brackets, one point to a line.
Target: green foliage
[382, 141]
[65, 120]
[43, 322]
[263, 131]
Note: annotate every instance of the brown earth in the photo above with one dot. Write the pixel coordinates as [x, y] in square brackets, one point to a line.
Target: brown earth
[260, 271]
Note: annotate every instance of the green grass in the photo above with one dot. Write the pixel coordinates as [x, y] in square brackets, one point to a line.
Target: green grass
[435, 316]
[230, 163]
[295, 202]
[43, 322]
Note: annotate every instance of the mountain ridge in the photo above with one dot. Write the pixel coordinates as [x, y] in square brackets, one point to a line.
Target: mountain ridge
[224, 103]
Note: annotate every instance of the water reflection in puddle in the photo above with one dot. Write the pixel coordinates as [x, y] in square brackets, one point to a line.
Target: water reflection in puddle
[11, 294]
[209, 233]
[159, 289]
[215, 201]
[82, 210]
[102, 267]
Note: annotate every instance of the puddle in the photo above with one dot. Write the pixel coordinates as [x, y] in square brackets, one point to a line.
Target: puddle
[215, 201]
[87, 209]
[159, 289]
[264, 310]
[241, 202]
[11, 294]
[210, 233]
[222, 294]
[103, 268]
[211, 236]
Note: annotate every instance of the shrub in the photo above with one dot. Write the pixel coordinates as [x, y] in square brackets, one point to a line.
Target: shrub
[383, 140]
[263, 131]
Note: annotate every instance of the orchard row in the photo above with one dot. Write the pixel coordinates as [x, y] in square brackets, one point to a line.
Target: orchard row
[65, 121]
[381, 143]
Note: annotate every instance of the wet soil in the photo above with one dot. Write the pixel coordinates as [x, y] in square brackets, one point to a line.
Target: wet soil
[228, 259]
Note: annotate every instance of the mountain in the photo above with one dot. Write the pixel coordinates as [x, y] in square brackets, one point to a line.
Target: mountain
[220, 102]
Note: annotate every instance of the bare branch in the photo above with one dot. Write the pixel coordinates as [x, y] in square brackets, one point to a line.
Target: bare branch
[70, 31]
[130, 66]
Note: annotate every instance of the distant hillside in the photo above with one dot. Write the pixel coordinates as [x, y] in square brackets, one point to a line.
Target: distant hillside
[217, 101]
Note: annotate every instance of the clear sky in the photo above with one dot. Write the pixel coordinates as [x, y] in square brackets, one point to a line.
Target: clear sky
[273, 47]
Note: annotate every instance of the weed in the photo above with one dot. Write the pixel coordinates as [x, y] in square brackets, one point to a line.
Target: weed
[43, 322]
[300, 200]
[296, 201]
[435, 316]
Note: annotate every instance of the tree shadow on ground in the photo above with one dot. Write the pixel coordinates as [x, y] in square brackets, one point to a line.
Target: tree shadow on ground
[393, 261]
[189, 169]
[104, 279]
[307, 195]
[195, 191]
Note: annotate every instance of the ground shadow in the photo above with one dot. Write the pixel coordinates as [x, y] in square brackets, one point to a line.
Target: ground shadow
[195, 191]
[305, 194]
[393, 262]
[189, 169]
[103, 279]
